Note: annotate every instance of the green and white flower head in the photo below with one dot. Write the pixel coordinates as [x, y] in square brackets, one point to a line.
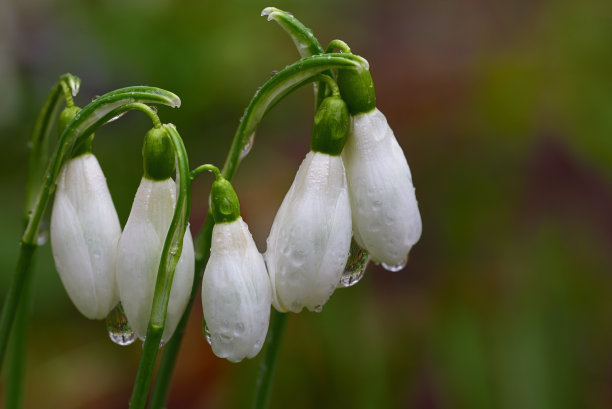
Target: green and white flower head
[236, 293]
[310, 237]
[386, 219]
[142, 241]
[84, 232]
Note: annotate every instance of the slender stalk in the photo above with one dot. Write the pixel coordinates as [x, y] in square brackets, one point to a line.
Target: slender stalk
[24, 268]
[279, 86]
[171, 254]
[267, 367]
[161, 386]
[17, 359]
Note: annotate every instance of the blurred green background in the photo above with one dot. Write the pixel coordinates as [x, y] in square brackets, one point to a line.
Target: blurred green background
[504, 110]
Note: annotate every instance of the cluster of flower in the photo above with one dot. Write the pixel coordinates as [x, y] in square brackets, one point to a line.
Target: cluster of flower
[355, 182]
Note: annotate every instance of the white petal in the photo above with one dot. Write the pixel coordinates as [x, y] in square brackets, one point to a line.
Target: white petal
[235, 293]
[139, 253]
[310, 238]
[386, 219]
[84, 234]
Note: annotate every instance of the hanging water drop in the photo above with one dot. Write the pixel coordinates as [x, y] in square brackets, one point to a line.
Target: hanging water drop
[246, 148]
[118, 328]
[396, 267]
[207, 334]
[153, 108]
[355, 266]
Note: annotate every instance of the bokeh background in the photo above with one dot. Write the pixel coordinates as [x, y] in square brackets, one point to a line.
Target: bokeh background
[504, 110]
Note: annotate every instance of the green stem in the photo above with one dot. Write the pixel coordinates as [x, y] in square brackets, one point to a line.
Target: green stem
[171, 254]
[17, 358]
[203, 168]
[305, 42]
[267, 366]
[84, 123]
[277, 87]
[24, 268]
[338, 44]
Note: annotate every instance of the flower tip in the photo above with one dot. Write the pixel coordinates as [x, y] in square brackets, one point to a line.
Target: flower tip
[269, 12]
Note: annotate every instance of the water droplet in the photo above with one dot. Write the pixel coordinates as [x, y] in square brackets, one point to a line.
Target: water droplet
[396, 267]
[246, 148]
[116, 117]
[207, 334]
[355, 266]
[95, 97]
[153, 108]
[118, 327]
[273, 73]
[318, 308]
[43, 234]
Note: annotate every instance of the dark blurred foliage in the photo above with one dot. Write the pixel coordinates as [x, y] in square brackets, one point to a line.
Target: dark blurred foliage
[504, 110]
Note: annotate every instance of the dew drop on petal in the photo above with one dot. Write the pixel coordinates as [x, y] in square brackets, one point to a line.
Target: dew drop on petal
[119, 330]
[206, 332]
[396, 267]
[246, 148]
[355, 266]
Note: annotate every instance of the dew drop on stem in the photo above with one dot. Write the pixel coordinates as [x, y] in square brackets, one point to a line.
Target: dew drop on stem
[246, 148]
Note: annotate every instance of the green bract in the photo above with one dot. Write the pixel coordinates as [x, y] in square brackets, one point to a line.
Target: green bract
[331, 126]
[65, 117]
[357, 89]
[224, 201]
[158, 155]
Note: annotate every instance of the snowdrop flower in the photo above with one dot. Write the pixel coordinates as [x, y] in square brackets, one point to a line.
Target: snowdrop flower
[311, 234]
[235, 288]
[386, 219]
[142, 241]
[84, 232]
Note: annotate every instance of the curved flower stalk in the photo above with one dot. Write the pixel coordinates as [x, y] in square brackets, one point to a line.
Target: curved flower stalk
[141, 244]
[235, 288]
[85, 230]
[311, 234]
[386, 220]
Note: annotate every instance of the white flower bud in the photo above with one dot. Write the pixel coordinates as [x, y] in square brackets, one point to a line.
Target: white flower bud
[139, 253]
[235, 293]
[310, 238]
[386, 219]
[84, 234]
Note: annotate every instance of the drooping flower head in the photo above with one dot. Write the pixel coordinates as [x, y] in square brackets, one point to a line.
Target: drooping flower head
[235, 287]
[386, 219]
[310, 237]
[142, 241]
[84, 231]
